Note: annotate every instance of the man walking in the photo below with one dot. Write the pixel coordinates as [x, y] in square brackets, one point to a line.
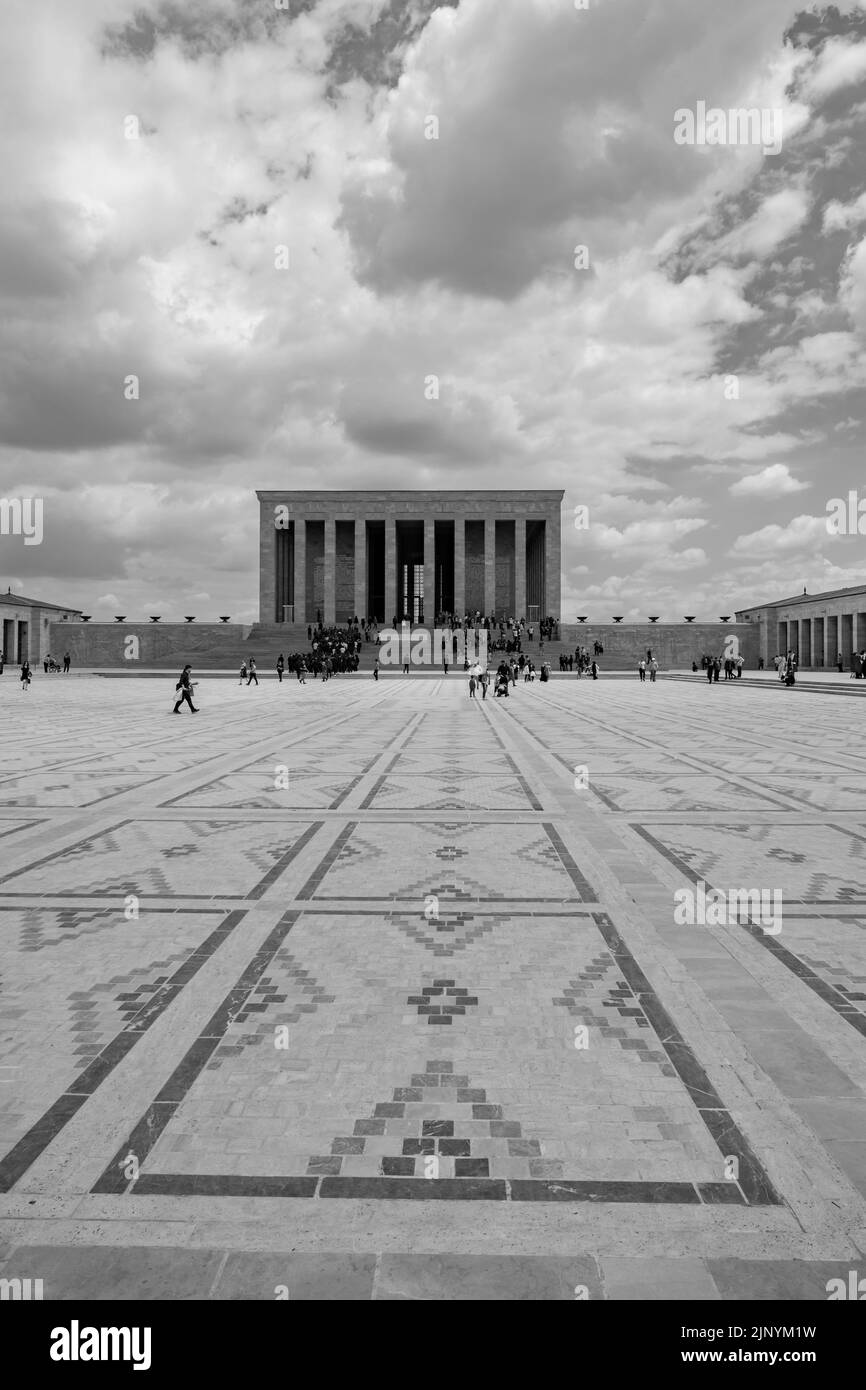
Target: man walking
[186, 686]
[281, 666]
[252, 676]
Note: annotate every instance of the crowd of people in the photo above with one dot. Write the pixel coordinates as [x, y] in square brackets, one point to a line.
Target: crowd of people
[50, 665]
[786, 667]
[715, 665]
[334, 650]
[507, 674]
[581, 661]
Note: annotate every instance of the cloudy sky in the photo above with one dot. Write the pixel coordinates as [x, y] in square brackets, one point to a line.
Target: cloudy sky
[697, 379]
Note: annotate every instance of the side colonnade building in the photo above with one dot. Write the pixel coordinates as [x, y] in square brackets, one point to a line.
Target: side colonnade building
[816, 627]
[408, 555]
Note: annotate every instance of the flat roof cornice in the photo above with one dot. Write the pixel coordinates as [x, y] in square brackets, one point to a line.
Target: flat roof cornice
[485, 494]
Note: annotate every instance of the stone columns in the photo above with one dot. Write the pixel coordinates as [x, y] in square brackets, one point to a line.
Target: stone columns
[552, 561]
[267, 565]
[299, 593]
[459, 565]
[391, 570]
[360, 568]
[519, 567]
[489, 565]
[429, 571]
[330, 605]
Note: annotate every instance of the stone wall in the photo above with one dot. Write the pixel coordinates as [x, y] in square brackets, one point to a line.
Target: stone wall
[223, 645]
[104, 644]
[674, 645]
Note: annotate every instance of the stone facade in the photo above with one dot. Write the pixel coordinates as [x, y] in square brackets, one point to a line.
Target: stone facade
[334, 555]
[166, 644]
[28, 627]
[674, 645]
[817, 627]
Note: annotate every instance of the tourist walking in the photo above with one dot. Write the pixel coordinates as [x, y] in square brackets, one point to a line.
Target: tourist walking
[376, 669]
[186, 686]
[252, 676]
[281, 666]
[25, 676]
[653, 667]
[641, 669]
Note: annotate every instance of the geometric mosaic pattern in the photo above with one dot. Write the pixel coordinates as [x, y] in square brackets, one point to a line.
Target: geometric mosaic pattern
[438, 1114]
[259, 1025]
[265, 1003]
[588, 995]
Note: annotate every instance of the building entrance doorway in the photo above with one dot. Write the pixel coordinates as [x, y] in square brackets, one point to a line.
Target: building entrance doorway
[410, 571]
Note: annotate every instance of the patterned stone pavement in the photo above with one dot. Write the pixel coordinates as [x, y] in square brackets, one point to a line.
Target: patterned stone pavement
[375, 991]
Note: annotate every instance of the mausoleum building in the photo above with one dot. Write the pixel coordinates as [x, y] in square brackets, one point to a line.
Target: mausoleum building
[384, 555]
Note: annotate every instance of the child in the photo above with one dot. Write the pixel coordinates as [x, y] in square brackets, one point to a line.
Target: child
[243, 672]
[472, 687]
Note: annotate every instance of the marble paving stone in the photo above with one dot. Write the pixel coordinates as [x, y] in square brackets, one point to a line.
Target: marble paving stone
[297, 1278]
[675, 1280]
[456, 1277]
[106, 1272]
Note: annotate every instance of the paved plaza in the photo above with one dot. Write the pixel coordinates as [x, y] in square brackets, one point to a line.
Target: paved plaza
[358, 990]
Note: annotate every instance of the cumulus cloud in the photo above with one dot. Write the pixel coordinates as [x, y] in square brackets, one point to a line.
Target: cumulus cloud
[852, 289]
[842, 64]
[802, 533]
[284, 262]
[774, 481]
[843, 216]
